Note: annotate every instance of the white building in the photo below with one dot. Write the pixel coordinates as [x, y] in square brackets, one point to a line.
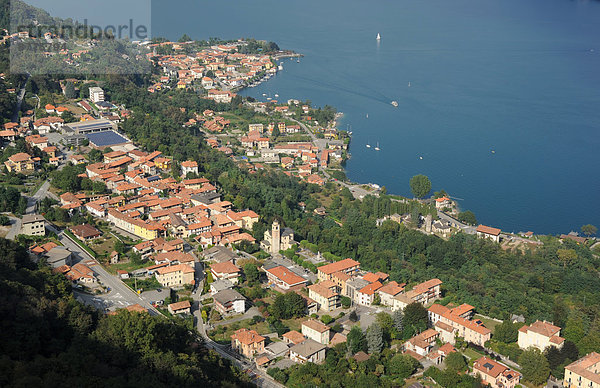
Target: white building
[540, 335]
[96, 94]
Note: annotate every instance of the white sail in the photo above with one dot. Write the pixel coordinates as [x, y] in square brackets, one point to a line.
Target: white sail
[378, 36]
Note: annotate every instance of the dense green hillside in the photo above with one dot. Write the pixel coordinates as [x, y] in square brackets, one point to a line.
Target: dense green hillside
[49, 339]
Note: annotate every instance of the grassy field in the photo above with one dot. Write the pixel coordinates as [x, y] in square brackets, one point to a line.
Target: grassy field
[489, 323]
[472, 354]
[223, 333]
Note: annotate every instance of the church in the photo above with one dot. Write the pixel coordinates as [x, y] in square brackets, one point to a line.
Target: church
[276, 240]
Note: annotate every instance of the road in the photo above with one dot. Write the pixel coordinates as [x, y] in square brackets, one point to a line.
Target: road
[464, 227]
[357, 191]
[15, 227]
[39, 195]
[263, 380]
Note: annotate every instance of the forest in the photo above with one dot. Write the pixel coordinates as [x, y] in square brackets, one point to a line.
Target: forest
[50, 339]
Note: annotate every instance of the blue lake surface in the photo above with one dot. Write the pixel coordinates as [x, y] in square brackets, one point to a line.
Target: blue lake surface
[518, 77]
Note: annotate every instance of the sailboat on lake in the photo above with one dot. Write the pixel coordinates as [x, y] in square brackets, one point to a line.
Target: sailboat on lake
[377, 148]
[378, 36]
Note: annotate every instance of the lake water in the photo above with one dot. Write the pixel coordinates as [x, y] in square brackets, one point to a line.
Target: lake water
[518, 77]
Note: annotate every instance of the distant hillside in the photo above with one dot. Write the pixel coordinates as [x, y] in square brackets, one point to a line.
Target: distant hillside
[23, 14]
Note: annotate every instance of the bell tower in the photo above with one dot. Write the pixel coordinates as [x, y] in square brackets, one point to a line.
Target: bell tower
[275, 237]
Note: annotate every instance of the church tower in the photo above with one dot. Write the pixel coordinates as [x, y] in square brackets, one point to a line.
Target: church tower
[275, 237]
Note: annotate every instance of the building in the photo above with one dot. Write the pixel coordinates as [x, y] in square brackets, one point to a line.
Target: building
[293, 337]
[20, 162]
[583, 373]
[58, 256]
[495, 374]
[33, 225]
[426, 292]
[88, 126]
[540, 335]
[220, 285]
[488, 232]
[325, 294]
[284, 278]
[471, 331]
[276, 240]
[366, 295]
[247, 342]
[189, 166]
[388, 292]
[308, 351]
[422, 343]
[96, 94]
[85, 232]
[316, 331]
[229, 301]
[347, 266]
[175, 275]
[225, 271]
[184, 307]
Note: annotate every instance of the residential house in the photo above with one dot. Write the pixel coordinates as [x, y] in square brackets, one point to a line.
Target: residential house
[184, 307]
[583, 373]
[316, 331]
[284, 278]
[58, 256]
[488, 232]
[226, 271]
[175, 275]
[247, 342]
[33, 225]
[325, 294]
[220, 285]
[443, 202]
[20, 162]
[366, 295]
[293, 337]
[229, 301]
[422, 343]
[540, 335]
[426, 292]
[471, 331]
[85, 232]
[347, 266]
[308, 351]
[495, 374]
[189, 166]
[389, 291]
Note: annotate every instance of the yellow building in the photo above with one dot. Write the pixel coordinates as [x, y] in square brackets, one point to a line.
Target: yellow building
[20, 162]
[175, 275]
[540, 335]
[584, 372]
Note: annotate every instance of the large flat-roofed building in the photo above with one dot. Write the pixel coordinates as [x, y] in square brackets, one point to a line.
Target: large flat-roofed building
[584, 373]
[89, 126]
[106, 139]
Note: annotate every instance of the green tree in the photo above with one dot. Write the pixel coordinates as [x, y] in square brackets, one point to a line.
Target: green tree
[506, 332]
[415, 317]
[566, 256]
[286, 306]
[184, 38]
[398, 318]
[375, 338]
[534, 366]
[467, 217]
[251, 272]
[420, 185]
[402, 366]
[456, 361]
[70, 90]
[326, 319]
[589, 230]
[386, 322]
[346, 302]
[355, 341]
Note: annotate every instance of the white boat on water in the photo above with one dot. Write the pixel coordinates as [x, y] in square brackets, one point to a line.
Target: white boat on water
[378, 36]
[280, 67]
[409, 84]
[377, 148]
[264, 94]
[368, 145]
[276, 95]
[395, 103]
